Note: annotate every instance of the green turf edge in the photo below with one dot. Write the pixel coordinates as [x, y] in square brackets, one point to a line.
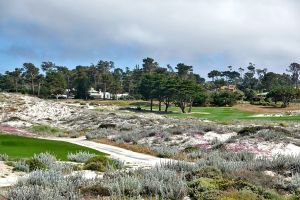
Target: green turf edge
[17, 147]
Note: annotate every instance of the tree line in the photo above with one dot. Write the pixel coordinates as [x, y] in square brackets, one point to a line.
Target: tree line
[168, 86]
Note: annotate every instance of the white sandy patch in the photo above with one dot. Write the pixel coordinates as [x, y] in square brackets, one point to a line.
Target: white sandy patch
[210, 136]
[268, 115]
[17, 124]
[87, 174]
[7, 176]
[286, 149]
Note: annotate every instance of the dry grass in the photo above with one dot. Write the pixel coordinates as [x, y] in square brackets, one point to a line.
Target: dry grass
[131, 147]
[266, 109]
[140, 149]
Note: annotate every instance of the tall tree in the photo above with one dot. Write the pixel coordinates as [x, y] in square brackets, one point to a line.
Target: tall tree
[186, 92]
[149, 65]
[56, 82]
[16, 75]
[284, 94]
[104, 68]
[184, 71]
[31, 72]
[46, 66]
[148, 88]
[214, 74]
[294, 68]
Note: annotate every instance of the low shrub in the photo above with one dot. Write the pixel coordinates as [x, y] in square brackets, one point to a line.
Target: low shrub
[178, 166]
[47, 185]
[255, 129]
[80, 156]
[97, 190]
[156, 182]
[208, 172]
[166, 151]
[35, 164]
[107, 126]
[239, 195]
[45, 158]
[3, 157]
[98, 133]
[250, 130]
[45, 129]
[101, 163]
[22, 166]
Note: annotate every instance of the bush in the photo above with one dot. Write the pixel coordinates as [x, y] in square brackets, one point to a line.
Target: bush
[35, 164]
[3, 157]
[249, 130]
[208, 172]
[97, 163]
[239, 195]
[95, 190]
[155, 182]
[22, 166]
[45, 158]
[98, 133]
[47, 185]
[80, 156]
[126, 185]
[95, 166]
[166, 151]
[108, 126]
[224, 98]
[45, 129]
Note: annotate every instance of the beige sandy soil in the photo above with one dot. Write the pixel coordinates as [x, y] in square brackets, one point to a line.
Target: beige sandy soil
[7, 175]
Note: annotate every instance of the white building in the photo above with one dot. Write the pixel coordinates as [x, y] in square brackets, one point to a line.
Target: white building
[118, 96]
[99, 94]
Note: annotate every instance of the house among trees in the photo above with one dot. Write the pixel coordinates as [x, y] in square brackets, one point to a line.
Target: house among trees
[94, 94]
[260, 96]
[231, 88]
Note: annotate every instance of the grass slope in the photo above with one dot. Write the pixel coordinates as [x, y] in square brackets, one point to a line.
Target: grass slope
[221, 114]
[24, 147]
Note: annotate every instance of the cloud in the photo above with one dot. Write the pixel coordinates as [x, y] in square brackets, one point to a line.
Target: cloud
[207, 34]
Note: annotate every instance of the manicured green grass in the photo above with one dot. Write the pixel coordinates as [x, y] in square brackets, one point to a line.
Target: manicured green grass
[221, 114]
[23, 147]
[215, 113]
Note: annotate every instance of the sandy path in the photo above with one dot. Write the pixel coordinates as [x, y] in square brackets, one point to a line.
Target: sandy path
[131, 158]
[7, 176]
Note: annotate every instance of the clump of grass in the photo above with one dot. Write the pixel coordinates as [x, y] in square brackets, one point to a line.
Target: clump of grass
[45, 129]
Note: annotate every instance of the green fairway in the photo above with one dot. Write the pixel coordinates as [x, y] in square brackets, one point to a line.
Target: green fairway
[214, 113]
[24, 147]
[221, 114]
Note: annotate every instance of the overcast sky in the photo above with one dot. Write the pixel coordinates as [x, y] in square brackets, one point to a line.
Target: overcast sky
[206, 34]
